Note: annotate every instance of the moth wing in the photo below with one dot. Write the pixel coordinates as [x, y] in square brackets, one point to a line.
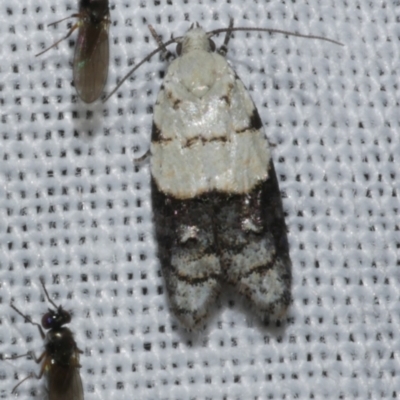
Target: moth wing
[91, 60]
[252, 236]
[190, 265]
[203, 138]
[217, 209]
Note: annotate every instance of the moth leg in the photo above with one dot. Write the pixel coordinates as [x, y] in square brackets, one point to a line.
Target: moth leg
[165, 53]
[224, 48]
[190, 265]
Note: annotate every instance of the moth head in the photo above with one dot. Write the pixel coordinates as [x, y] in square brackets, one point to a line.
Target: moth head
[196, 38]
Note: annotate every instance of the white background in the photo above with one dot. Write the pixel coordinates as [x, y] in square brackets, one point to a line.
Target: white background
[76, 211]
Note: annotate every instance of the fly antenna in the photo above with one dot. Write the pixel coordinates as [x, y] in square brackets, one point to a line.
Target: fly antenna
[47, 295]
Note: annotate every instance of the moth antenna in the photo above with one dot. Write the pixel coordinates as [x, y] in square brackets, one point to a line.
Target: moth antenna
[147, 58]
[271, 30]
[229, 31]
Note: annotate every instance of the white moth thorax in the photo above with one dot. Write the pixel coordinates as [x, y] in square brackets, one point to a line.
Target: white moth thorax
[205, 138]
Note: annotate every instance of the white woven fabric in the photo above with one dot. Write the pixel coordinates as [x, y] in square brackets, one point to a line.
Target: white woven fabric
[76, 211]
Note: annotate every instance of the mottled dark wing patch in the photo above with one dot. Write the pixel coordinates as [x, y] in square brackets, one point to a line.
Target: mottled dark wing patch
[218, 237]
[255, 120]
[254, 249]
[187, 252]
[91, 60]
[156, 134]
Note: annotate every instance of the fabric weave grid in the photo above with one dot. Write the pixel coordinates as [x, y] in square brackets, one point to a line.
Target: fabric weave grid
[75, 208]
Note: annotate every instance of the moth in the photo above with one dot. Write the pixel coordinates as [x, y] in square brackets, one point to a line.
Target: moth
[217, 207]
[91, 57]
[60, 359]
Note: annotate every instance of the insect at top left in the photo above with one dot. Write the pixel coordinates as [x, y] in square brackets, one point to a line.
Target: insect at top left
[60, 359]
[92, 48]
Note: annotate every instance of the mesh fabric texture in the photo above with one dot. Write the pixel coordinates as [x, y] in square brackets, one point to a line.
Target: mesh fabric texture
[75, 207]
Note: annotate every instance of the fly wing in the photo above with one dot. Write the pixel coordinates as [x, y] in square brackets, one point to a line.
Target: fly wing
[64, 383]
[91, 60]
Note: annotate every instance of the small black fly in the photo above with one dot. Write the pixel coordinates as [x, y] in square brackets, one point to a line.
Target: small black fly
[91, 49]
[60, 359]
